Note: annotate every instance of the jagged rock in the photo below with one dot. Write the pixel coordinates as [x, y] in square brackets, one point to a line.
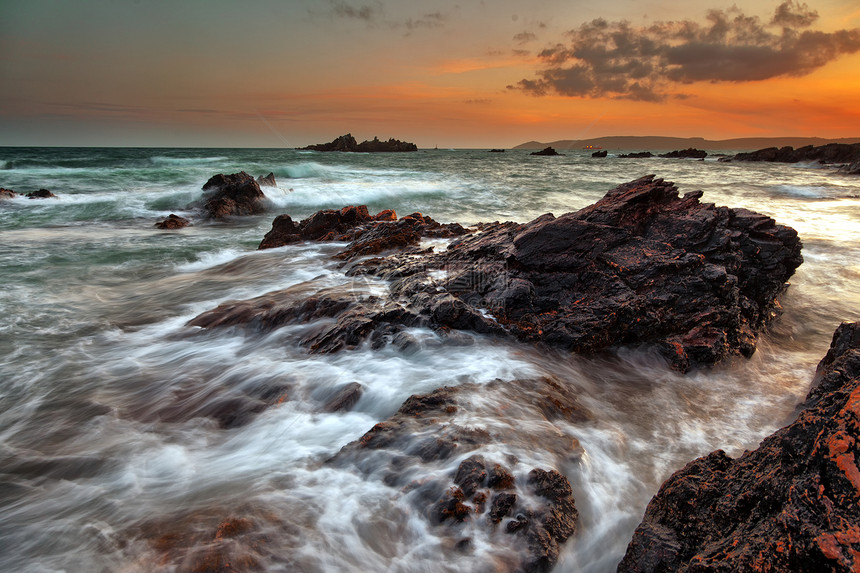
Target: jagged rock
[853, 168]
[598, 154]
[7, 194]
[348, 143]
[830, 153]
[546, 151]
[689, 153]
[793, 504]
[232, 195]
[343, 398]
[41, 194]
[637, 155]
[173, 222]
[267, 181]
[642, 266]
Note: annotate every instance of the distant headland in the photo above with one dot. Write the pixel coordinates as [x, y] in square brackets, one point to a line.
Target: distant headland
[667, 143]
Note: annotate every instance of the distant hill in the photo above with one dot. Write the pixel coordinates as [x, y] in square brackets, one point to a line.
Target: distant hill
[656, 143]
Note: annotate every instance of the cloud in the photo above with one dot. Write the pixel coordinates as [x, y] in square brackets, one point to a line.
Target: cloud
[618, 60]
[434, 20]
[366, 12]
[524, 37]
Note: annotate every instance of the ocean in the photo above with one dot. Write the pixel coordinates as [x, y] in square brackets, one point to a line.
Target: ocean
[115, 450]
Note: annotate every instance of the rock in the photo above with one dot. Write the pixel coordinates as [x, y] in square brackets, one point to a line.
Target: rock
[41, 194]
[348, 143]
[344, 398]
[830, 153]
[441, 469]
[233, 195]
[497, 151]
[689, 153]
[173, 222]
[284, 231]
[853, 168]
[637, 155]
[267, 181]
[546, 151]
[603, 153]
[641, 267]
[793, 504]
[7, 194]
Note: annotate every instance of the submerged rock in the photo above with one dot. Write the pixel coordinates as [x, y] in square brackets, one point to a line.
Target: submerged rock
[348, 143]
[41, 194]
[7, 194]
[546, 151]
[637, 155]
[439, 466]
[232, 195]
[173, 222]
[793, 504]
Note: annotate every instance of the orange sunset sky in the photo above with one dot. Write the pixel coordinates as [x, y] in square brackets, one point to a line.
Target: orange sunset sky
[448, 73]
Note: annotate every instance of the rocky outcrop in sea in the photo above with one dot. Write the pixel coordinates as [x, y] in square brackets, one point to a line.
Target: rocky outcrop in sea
[793, 504]
[232, 195]
[348, 143]
[642, 267]
[843, 153]
[547, 151]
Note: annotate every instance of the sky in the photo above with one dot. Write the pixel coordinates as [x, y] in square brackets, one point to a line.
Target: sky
[452, 73]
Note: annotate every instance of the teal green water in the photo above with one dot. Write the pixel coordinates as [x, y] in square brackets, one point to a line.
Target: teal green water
[95, 354]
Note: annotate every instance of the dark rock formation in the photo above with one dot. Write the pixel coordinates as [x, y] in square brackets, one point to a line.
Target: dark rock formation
[232, 195]
[546, 151]
[535, 508]
[598, 154]
[852, 168]
[267, 181]
[173, 222]
[348, 143]
[793, 504]
[830, 153]
[497, 151]
[41, 194]
[642, 266]
[7, 194]
[368, 234]
[689, 153]
[637, 155]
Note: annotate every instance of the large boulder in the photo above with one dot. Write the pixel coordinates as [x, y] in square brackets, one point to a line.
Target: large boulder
[641, 267]
[793, 504]
[237, 194]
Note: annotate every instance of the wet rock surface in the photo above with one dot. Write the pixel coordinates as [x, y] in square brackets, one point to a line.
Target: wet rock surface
[237, 194]
[793, 504]
[348, 143]
[830, 153]
[641, 267]
[173, 221]
[41, 194]
[428, 453]
[689, 153]
[637, 155]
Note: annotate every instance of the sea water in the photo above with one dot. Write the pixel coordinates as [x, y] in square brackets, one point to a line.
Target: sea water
[106, 432]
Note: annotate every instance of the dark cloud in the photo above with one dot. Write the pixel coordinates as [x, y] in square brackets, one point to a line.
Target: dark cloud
[366, 12]
[434, 20]
[616, 59]
[524, 37]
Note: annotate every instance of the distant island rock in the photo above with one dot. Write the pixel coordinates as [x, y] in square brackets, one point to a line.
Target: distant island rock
[637, 155]
[548, 151]
[348, 143]
[497, 151]
[602, 153]
[830, 153]
[689, 153]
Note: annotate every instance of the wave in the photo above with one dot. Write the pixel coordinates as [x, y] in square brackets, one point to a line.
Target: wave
[164, 160]
[804, 191]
